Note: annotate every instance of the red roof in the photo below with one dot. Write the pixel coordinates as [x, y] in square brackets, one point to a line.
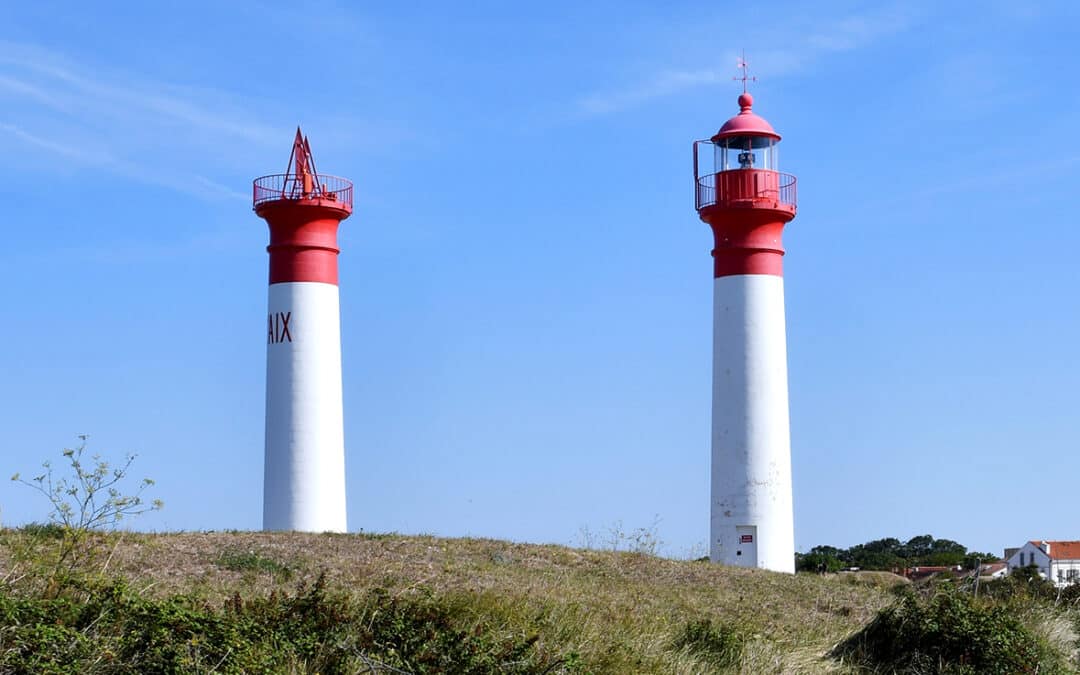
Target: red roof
[1061, 550]
[746, 123]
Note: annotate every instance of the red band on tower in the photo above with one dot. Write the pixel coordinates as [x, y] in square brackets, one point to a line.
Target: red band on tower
[747, 245]
[303, 244]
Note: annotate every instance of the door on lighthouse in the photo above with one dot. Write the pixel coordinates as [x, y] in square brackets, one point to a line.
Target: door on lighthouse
[747, 545]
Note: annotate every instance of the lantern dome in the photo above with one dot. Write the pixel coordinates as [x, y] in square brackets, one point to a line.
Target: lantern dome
[747, 123]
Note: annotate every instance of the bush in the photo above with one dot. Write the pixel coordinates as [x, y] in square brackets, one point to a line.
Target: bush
[1022, 584]
[110, 628]
[947, 632]
[817, 562]
[251, 561]
[85, 498]
[43, 531]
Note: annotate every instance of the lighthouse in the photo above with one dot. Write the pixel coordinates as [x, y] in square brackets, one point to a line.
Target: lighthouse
[304, 471]
[746, 201]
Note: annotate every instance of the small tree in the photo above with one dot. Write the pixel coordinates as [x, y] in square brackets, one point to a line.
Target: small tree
[974, 559]
[816, 561]
[87, 498]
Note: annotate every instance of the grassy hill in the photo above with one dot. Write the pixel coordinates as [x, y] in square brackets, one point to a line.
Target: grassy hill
[577, 610]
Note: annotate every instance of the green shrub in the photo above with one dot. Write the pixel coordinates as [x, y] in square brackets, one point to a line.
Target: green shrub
[43, 530]
[250, 561]
[1070, 595]
[817, 562]
[110, 628]
[86, 497]
[947, 632]
[1022, 584]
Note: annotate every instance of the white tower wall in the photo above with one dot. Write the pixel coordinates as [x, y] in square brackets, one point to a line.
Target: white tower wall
[752, 520]
[304, 486]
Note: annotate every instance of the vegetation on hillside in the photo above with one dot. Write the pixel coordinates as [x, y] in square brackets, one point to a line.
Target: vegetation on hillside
[109, 628]
[468, 605]
[890, 554]
[296, 603]
[75, 598]
[946, 628]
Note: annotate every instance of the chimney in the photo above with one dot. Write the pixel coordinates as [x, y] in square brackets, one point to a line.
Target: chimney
[1045, 546]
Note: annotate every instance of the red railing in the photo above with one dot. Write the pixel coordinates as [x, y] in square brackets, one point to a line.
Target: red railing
[746, 188]
[289, 186]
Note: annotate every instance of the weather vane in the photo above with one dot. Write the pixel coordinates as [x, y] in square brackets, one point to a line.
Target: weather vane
[742, 65]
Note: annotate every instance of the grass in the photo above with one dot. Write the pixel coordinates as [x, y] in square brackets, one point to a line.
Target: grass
[565, 609]
[720, 644]
[613, 612]
[238, 560]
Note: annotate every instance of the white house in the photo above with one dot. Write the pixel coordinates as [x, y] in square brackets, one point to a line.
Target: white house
[994, 570]
[1058, 561]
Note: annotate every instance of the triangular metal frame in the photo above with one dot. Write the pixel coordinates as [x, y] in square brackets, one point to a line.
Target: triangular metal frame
[301, 178]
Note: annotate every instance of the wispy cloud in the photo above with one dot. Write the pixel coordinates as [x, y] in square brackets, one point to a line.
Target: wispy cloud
[126, 125]
[855, 31]
[66, 151]
[20, 88]
[660, 84]
[807, 44]
[175, 180]
[994, 178]
[225, 242]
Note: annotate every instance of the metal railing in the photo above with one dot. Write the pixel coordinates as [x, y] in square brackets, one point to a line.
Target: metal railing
[289, 186]
[746, 188]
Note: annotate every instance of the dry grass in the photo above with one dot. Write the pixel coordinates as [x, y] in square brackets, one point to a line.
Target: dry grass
[619, 611]
[1057, 630]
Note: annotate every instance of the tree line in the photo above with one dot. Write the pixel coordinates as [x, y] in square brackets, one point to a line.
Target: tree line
[891, 554]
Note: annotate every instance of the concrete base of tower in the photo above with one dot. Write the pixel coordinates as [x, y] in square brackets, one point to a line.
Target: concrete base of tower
[752, 518]
[304, 480]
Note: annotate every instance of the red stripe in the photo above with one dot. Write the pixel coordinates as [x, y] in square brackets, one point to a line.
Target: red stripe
[733, 263]
[303, 241]
[748, 241]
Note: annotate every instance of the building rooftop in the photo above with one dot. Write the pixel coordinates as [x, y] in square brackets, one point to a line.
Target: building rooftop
[1060, 550]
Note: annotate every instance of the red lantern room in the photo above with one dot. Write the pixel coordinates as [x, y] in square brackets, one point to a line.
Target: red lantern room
[744, 168]
[740, 192]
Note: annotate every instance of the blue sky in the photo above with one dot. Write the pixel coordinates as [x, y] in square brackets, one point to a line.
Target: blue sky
[525, 285]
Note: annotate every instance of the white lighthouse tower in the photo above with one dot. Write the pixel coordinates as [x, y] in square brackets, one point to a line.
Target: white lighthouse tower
[747, 201]
[304, 479]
